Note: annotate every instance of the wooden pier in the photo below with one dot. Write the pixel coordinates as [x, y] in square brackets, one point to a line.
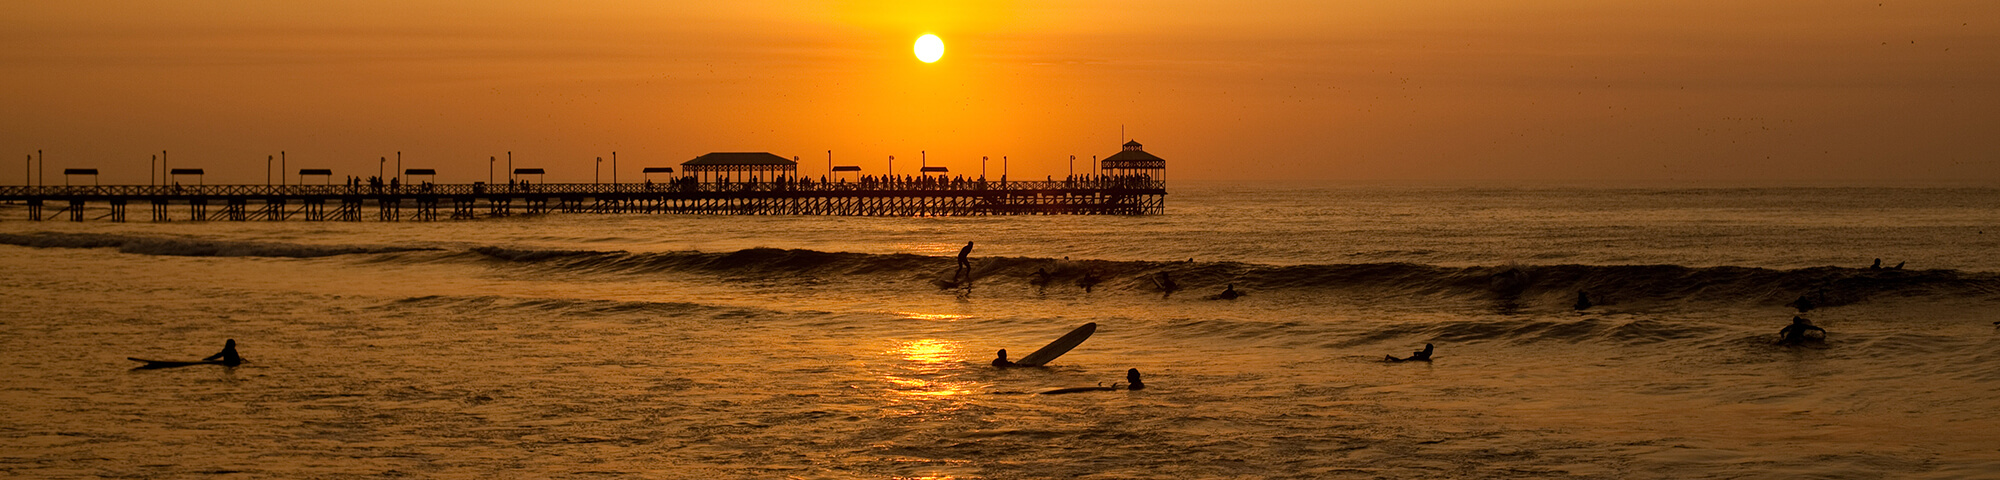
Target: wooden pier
[1098, 195]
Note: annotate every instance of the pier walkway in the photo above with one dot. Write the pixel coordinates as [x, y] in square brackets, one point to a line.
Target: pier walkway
[1107, 195]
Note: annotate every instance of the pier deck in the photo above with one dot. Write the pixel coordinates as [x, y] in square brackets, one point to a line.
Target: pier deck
[1103, 196]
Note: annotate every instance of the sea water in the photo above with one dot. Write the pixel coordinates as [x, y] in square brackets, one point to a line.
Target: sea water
[676, 346]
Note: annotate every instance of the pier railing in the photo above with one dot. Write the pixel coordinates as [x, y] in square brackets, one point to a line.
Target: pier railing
[140, 191]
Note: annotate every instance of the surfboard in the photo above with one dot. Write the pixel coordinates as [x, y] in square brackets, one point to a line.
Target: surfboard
[171, 363]
[1059, 347]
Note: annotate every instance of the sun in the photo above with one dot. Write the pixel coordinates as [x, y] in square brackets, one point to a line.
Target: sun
[929, 48]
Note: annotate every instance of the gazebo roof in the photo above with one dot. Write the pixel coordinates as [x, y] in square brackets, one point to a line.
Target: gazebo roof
[1133, 159]
[1132, 143]
[738, 158]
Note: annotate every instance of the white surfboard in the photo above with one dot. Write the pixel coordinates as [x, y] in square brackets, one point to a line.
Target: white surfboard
[1059, 347]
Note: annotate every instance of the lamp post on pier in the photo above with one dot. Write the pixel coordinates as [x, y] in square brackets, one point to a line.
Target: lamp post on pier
[597, 171]
[489, 169]
[614, 168]
[281, 167]
[267, 169]
[381, 172]
[1072, 166]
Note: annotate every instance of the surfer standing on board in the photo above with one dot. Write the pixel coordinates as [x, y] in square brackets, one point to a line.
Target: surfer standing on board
[964, 263]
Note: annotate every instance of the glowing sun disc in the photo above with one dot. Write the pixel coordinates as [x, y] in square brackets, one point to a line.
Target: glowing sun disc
[929, 48]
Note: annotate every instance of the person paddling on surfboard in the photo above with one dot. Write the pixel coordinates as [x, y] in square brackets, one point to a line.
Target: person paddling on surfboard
[227, 357]
[1051, 351]
[1131, 383]
[1229, 293]
[1420, 356]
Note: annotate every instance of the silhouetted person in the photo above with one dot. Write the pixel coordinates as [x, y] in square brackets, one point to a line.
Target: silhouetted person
[1166, 283]
[1229, 293]
[1041, 277]
[1582, 300]
[1131, 383]
[1002, 362]
[1420, 356]
[1088, 281]
[963, 262]
[1795, 333]
[1877, 265]
[227, 356]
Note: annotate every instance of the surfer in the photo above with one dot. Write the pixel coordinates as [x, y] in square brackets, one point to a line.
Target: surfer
[1049, 352]
[1002, 362]
[1795, 334]
[1088, 281]
[1422, 356]
[1229, 293]
[1165, 283]
[1582, 300]
[963, 262]
[1131, 383]
[1041, 277]
[1877, 265]
[227, 357]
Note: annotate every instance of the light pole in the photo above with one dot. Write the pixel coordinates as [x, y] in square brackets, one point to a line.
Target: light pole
[829, 163]
[1003, 167]
[153, 173]
[267, 169]
[1072, 166]
[399, 168]
[489, 169]
[597, 171]
[982, 167]
[510, 167]
[28, 172]
[614, 168]
[892, 166]
[41, 167]
[382, 175]
[281, 170]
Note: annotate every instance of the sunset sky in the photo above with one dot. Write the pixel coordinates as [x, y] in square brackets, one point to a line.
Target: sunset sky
[1687, 91]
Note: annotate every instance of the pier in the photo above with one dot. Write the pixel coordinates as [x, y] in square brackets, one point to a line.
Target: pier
[718, 183]
[423, 202]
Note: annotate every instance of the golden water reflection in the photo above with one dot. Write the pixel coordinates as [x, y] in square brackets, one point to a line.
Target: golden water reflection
[927, 360]
[941, 317]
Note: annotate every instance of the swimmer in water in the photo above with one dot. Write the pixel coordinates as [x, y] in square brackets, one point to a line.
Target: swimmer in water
[1002, 362]
[1131, 383]
[1229, 293]
[1795, 333]
[1582, 300]
[1422, 356]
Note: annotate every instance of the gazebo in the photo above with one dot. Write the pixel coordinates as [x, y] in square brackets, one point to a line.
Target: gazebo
[739, 167]
[1134, 162]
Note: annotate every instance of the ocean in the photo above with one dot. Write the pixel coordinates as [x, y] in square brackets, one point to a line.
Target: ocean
[674, 346]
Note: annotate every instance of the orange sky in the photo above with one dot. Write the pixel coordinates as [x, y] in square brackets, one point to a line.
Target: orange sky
[1697, 92]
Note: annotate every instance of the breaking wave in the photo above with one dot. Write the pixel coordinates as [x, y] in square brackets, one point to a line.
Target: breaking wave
[1627, 286]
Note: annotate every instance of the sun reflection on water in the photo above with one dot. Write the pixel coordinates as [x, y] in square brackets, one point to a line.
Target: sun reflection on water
[932, 358]
[940, 317]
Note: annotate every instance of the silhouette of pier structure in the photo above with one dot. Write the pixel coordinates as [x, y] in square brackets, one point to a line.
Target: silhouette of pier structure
[713, 184]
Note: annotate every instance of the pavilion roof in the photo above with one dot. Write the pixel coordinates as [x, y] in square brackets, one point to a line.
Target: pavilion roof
[738, 158]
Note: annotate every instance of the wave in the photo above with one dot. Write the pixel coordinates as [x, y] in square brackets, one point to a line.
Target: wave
[189, 246]
[1626, 287]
